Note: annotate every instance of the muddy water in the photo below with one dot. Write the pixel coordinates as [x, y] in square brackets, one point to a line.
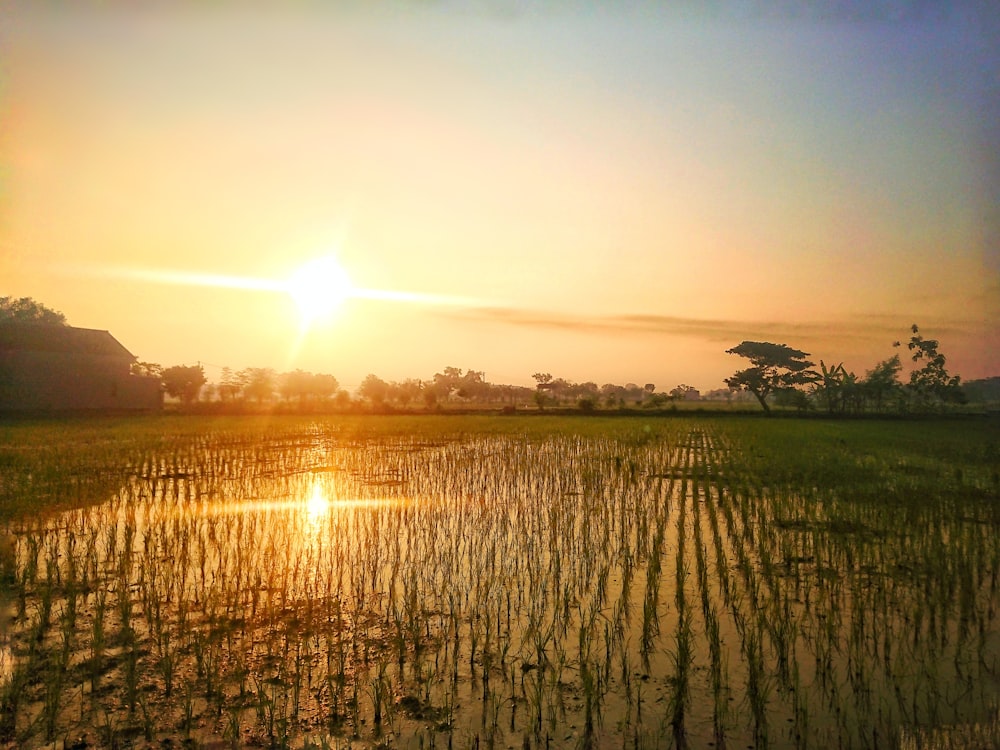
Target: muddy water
[491, 590]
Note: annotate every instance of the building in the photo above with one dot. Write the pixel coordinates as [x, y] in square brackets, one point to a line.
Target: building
[58, 368]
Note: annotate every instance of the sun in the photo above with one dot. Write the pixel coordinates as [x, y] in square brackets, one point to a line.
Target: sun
[319, 288]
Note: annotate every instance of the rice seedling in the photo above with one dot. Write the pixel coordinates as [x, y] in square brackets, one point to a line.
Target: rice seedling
[299, 583]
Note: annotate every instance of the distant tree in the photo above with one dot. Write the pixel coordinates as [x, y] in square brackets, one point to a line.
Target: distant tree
[983, 390]
[295, 385]
[543, 385]
[430, 396]
[259, 383]
[27, 310]
[342, 399]
[773, 367]
[881, 383]
[558, 388]
[446, 383]
[146, 369]
[306, 387]
[793, 397]
[184, 382]
[684, 393]
[374, 389]
[837, 389]
[407, 391]
[634, 393]
[230, 386]
[719, 394]
[932, 383]
[324, 386]
[656, 401]
[613, 395]
[473, 386]
[541, 398]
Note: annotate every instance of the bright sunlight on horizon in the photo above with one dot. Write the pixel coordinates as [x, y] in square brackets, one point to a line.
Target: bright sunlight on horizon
[608, 194]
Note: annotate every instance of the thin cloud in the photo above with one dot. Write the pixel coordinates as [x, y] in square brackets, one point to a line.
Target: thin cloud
[859, 329]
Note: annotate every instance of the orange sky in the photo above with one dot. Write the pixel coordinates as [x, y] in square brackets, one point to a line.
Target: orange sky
[610, 195]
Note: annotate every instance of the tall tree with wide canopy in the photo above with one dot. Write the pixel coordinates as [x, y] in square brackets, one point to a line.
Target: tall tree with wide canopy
[27, 310]
[774, 367]
[184, 382]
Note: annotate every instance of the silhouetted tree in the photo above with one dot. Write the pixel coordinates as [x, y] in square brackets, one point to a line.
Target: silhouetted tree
[27, 310]
[774, 366]
[146, 369]
[983, 390]
[837, 389]
[184, 382]
[932, 383]
[881, 383]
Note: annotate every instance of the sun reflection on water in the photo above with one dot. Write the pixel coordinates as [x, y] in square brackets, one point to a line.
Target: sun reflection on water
[317, 506]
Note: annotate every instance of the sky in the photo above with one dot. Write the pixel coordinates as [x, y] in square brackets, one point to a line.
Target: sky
[608, 192]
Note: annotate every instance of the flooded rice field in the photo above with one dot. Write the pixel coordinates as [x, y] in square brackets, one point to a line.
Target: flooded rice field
[579, 583]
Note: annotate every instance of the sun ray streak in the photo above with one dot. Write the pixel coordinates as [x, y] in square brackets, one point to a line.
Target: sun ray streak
[391, 295]
[250, 283]
[187, 278]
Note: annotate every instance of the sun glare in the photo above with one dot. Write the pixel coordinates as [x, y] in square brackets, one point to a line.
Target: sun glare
[319, 288]
[317, 505]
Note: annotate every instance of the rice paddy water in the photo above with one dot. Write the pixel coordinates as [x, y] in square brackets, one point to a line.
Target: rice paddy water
[476, 582]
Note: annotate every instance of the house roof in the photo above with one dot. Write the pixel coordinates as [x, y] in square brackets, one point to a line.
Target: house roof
[47, 337]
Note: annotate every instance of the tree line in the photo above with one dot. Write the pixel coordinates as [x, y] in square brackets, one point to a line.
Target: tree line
[778, 375]
[264, 387]
[252, 385]
[783, 375]
[453, 386]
